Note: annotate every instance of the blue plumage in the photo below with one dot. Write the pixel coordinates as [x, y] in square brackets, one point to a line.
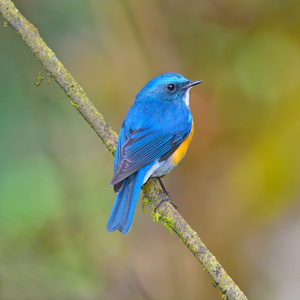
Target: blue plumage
[153, 129]
[123, 210]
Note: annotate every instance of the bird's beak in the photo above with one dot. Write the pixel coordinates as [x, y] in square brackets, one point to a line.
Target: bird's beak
[190, 84]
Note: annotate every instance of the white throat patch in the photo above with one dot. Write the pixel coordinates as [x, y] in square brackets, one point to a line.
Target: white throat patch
[186, 98]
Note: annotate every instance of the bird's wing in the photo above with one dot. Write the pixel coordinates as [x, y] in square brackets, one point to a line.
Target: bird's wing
[142, 147]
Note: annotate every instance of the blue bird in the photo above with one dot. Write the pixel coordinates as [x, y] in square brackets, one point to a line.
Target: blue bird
[154, 138]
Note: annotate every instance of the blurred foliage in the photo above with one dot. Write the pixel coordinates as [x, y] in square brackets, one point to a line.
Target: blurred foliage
[238, 186]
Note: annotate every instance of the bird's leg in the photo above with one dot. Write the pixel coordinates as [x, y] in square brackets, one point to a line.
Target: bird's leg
[163, 187]
[166, 197]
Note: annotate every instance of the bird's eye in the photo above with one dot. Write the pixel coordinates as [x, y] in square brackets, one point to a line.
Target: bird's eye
[171, 87]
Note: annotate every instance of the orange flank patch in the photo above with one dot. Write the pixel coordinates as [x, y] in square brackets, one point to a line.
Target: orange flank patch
[180, 152]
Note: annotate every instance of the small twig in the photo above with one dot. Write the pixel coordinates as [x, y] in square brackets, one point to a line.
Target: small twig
[165, 212]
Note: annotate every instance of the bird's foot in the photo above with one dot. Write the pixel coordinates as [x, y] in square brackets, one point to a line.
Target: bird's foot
[165, 198]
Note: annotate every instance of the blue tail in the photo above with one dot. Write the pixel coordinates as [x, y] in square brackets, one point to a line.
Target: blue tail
[124, 207]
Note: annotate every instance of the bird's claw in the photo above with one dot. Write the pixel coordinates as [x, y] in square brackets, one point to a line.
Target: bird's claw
[165, 198]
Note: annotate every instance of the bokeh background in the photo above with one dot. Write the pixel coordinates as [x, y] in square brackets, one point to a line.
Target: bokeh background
[238, 186]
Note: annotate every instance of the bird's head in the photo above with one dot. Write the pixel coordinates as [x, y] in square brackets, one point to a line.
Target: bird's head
[169, 87]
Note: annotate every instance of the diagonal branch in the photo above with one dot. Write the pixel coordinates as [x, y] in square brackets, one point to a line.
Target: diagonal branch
[166, 213]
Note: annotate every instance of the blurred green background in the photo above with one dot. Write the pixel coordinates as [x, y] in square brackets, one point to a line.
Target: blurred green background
[238, 185]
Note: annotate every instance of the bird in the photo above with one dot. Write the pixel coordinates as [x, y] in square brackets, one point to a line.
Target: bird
[154, 138]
